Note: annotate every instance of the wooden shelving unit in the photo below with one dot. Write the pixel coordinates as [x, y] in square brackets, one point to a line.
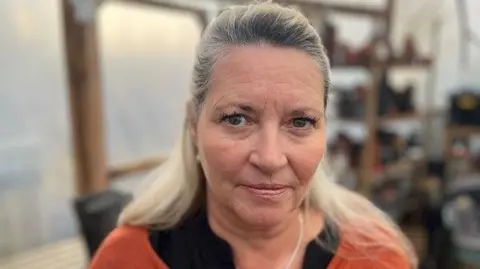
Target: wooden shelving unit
[372, 120]
[392, 118]
[393, 63]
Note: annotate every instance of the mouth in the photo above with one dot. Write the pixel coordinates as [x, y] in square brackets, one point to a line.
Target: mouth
[266, 189]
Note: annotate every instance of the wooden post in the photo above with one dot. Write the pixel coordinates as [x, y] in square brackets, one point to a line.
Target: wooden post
[85, 100]
[390, 16]
[372, 120]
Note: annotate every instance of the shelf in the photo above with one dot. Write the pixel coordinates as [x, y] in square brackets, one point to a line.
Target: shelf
[383, 120]
[394, 63]
[400, 63]
[387, 171]
[396, 167]
[406, 117]
[459, 130]
[400, 117]
[394, 172]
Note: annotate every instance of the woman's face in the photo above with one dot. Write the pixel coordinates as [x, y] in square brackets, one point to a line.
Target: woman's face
[261, 131]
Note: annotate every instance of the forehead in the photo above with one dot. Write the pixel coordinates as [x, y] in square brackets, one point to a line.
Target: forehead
[265, 73]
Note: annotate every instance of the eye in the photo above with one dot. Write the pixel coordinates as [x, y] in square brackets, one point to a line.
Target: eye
[303, 122]
[235, 119]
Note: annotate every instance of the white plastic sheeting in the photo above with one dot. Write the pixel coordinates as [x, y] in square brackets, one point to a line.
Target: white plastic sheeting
[146, 59]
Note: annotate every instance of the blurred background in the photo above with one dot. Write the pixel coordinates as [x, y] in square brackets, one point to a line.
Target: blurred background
[92, 98]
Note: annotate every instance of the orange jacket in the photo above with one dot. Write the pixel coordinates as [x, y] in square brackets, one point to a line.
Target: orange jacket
[129, 248]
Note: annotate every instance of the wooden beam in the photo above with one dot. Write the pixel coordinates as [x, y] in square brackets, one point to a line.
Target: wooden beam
[140, 166]
[390, 16]
[85, 100]
[320, 6]
[199, 12]
[170, 5]
[369, 153]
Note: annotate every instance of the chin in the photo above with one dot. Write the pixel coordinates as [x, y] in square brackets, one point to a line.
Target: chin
[262, 215]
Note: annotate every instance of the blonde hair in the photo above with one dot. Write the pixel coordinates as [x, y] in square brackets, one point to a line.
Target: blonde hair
[177, 185]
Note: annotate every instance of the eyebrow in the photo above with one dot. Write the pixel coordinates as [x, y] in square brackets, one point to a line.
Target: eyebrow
[245, 107]
[298, 112]
[301, 112]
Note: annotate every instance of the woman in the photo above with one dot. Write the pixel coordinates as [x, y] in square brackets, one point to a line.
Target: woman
[245, 187]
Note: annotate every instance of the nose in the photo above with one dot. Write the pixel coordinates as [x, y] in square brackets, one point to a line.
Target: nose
[268, 154]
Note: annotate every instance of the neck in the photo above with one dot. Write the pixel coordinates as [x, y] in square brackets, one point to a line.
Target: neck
[228, 224]
[255, 244]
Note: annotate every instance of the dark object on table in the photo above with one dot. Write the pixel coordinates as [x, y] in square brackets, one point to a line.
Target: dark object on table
[461, 215]
[476, 163]
[391, 195]
[386, 103]
[340, 55]
[392, 101]
[465, 108]
[382, 50]
[343, 144]
[404, 100]
[329, 35]
[410, 53]
[378, 50]
[440, 250]
[436, 168]
[392, 147]
[351, 104]
[360, 100]
[98, 214]
[356, 155]
[414, 140]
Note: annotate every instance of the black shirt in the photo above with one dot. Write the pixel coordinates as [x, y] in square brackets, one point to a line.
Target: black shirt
[193, 245]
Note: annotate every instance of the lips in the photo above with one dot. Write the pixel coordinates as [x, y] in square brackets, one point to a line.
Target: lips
[266, 189]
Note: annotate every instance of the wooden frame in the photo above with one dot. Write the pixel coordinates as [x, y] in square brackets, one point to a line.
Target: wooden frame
[330, 7]
[92, 174]
[85, 97]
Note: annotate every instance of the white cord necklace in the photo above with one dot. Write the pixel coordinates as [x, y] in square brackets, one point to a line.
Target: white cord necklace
[299, 243]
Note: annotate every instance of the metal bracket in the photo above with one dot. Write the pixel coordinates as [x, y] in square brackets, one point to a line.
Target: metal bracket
[84, 10]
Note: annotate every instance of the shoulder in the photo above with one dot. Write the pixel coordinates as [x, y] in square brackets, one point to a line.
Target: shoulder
[127, 247]
[382, 251]
[373, 258]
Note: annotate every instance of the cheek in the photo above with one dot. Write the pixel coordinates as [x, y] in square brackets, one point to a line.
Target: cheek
[222, 158]
[305, 160]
